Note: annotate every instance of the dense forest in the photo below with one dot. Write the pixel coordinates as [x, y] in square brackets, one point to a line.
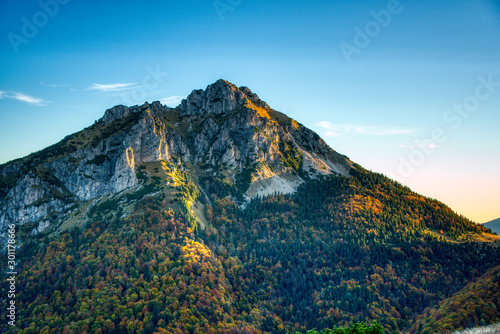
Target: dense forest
[476, 305]
[339, 252]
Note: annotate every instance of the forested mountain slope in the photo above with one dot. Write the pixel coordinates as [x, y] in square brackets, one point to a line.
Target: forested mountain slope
[475, 305]
[226, 216]
[338, 251]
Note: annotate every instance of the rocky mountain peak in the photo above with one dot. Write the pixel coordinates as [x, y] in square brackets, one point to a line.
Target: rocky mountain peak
[253, 150]
[218, 98]
[121, 111]
[115, 113]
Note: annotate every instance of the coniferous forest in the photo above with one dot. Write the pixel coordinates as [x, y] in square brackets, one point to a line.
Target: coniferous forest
[341, 255]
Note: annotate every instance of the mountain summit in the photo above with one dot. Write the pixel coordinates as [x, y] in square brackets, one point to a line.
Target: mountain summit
[219, 98]
[224, 138]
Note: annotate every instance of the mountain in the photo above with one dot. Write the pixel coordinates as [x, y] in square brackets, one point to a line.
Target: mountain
[225, 138]
[224, 215]
[493, 225]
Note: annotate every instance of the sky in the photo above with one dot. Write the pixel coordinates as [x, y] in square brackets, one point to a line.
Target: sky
[410, 89]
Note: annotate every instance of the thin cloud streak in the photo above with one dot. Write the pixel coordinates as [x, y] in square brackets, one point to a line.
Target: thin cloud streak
[172, 101]
[23, 98]
[114, 87]
[52, 85]
[417, 144]
[335, 130]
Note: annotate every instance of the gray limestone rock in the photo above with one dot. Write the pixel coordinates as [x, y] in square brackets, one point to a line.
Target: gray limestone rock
[222, 125]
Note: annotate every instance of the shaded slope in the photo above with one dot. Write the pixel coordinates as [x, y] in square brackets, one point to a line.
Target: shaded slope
[475, 305]
[493, 225]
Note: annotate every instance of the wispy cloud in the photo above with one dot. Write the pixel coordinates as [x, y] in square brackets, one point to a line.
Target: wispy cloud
[335, 130]
[114, 87]
[429, 144]
[23, 98]
[172, 101]
[48, 84]
[26, 98]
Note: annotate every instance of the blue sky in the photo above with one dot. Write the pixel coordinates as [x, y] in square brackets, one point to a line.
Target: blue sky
[417, 70]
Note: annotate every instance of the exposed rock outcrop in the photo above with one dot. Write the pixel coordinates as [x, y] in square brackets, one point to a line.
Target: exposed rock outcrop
[262, 151]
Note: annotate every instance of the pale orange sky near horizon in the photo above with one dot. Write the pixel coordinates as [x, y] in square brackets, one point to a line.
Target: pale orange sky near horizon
[468, 188]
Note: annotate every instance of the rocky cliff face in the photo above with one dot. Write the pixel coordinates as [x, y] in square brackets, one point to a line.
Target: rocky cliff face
[223, 137]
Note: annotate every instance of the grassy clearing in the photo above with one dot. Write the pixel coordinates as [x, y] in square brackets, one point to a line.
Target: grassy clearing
[469, 237]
